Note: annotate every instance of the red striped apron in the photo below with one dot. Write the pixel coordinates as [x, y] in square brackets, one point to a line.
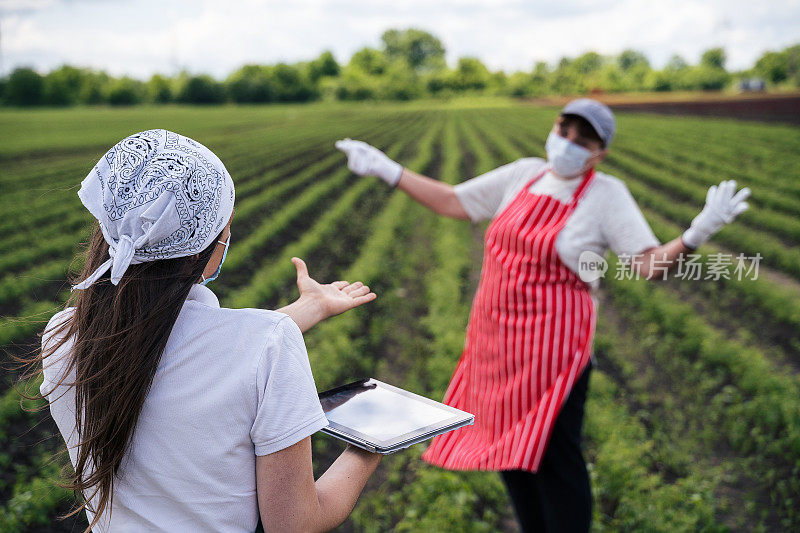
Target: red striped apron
[529, 337]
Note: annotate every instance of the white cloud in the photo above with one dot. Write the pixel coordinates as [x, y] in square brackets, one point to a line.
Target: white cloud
[144, 36]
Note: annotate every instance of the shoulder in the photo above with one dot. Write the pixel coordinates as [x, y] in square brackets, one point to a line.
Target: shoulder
[608, 182]
[253, 331]
[60, 317]
[526, 165]
[54, 356]
[522, 169]
[276, 324]
[55, 323]
[530, 162]
[610, 190]
[257, 324]
[252, 314]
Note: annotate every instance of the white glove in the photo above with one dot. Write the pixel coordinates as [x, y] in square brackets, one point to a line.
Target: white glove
[722, 206]
[366, 160]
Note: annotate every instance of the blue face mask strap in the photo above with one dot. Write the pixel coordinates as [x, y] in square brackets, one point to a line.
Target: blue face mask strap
[219, 268]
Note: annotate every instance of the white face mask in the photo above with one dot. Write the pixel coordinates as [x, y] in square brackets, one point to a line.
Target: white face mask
[566, 158]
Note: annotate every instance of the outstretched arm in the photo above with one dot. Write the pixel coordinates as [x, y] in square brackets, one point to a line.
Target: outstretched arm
[723, 205]
[318, 302]
[366, 160]
[666, 255]
[436, 195]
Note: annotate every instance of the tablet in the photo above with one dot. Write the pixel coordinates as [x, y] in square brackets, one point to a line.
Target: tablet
[383, 419]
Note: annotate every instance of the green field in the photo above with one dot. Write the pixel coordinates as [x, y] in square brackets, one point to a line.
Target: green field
[693, 417]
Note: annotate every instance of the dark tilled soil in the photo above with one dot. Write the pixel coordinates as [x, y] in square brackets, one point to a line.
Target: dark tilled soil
[764, 109]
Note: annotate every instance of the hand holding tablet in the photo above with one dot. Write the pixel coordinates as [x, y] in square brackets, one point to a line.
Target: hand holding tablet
[381, 418]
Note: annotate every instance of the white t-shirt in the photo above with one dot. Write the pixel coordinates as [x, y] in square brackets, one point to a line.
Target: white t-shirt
[230, 385]
[607, 216]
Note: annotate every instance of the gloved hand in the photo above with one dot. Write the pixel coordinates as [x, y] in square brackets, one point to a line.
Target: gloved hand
[366, 160]
[722, 206]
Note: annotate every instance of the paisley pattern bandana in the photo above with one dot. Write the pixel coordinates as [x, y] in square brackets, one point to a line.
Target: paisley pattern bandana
[157, 195]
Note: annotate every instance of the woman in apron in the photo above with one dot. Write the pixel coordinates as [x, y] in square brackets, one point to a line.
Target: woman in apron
[525, 366]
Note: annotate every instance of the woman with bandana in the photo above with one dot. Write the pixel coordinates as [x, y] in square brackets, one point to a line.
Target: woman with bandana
[525, 366]
[179, 414]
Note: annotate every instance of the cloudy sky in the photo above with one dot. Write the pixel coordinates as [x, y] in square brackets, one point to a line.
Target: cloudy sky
[140, 37]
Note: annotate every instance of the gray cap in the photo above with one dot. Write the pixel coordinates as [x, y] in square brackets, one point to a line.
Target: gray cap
[598, 114]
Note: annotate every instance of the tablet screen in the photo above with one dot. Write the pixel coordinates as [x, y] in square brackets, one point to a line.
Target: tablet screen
[387, 416]
[380, 412]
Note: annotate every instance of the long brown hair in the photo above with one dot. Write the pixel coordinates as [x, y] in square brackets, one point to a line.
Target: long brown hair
[119, 336]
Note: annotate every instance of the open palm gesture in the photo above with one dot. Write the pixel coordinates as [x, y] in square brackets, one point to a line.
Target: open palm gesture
[332, 298]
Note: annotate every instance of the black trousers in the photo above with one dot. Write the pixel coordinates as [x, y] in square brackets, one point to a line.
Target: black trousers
[557, 498]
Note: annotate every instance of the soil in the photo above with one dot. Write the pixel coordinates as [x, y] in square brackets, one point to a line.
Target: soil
[737, 488]
[763, 107]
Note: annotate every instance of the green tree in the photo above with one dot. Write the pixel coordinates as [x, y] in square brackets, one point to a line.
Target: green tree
[676, 75]
[707, 78]
[773, 66]
[661, 80]
[159, 89]
[530, 84]
[710, 74]
[400, 82]
[63, 85]
[676, 63]
[713, 58]
[355, 84]
[94, 89]
[324, 65]
[251, 83]
[631, 59]
[587, 63]
[25, 87]
[422, 50]
[520, 85]
[292, 84]
[437, 83]
[126, 91]
[566, 78]
[202, 89]
[498, 83]
[778, 67]
[470, 74]
[793, 62]
[369, 61]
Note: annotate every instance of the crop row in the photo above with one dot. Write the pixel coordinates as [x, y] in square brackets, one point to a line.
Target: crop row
[289, 152]
[15, 329]
[14, 287]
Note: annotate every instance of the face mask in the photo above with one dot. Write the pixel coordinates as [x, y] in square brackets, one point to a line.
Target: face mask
[219, 268]
[565, 157]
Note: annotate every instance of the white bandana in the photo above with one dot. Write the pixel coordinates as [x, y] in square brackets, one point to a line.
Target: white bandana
[157, 195]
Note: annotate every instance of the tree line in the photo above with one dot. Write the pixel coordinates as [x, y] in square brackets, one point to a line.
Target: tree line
[409, 64]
